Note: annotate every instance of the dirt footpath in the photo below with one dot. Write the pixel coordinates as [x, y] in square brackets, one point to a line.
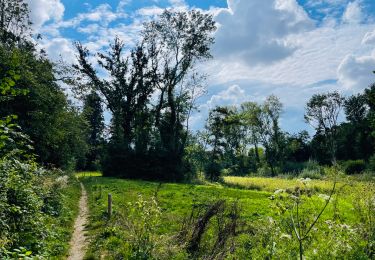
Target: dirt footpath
[78, 242]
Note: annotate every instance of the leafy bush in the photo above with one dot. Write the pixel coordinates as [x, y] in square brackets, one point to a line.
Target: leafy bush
[312, 170]
[20, 205]
[29, 197]
[293, 167]
[312, 174]
[371, 163]
[213, 171]
[354, 167]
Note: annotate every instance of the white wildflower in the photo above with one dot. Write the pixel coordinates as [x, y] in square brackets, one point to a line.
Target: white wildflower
[278, 191]
[63, 180]
[324, 197]
[287, 236]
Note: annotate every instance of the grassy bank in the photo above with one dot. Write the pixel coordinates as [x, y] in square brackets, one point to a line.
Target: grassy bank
[61, 225]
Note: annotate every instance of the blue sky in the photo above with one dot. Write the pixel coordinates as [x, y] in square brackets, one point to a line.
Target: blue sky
[290, 48]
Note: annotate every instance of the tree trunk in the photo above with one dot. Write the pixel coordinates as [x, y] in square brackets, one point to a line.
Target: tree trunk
[257, 157]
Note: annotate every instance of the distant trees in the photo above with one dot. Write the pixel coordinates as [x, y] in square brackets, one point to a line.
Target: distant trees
[350, 140]
[150, 94]
[93, 114]
[221, 137]
[322, 112]
[232, 132]
[269, 131]
[248, 138]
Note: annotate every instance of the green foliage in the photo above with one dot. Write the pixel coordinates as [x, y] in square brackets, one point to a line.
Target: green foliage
[371, 163]
[31, 209]
[148, 138]
[32, 216]
[322, 112]
[93, 114]
[37, 101]
[144, 216]
[354, 167]
[20, 205]
[213, 171]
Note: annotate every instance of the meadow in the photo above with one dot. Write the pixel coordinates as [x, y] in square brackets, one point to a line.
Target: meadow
[148, 219]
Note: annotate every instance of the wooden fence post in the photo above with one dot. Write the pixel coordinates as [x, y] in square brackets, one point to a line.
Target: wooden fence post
[109, 205]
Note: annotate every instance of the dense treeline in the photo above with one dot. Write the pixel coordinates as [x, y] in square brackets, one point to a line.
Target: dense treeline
[43, 112]
[249, 139]
[37, 125]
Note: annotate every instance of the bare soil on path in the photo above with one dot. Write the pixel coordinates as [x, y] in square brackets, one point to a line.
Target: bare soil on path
[78, 243]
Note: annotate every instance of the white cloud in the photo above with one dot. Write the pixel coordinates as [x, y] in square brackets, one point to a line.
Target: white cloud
[150, 11]
[369, 38]
[255, 31]
[58, 48]
[353, 13]
[321, 52]
[122, 4]
[43, 11]
[234, 95]
[178, 3]
[355, 73]
[89, 29]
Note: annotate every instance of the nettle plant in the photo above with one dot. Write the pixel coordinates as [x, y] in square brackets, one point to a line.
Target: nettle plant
[304, 220]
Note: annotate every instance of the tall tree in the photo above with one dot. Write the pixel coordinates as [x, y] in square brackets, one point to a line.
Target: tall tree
[179, 40]
[269, 131]
[93, 114]
[128, 90]
[44, 113]
[322, 112]
[250, 112]
[215, 138]
[161, 65]
[355, 108]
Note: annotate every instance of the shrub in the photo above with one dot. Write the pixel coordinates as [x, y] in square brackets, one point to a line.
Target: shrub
[264, 171]
[293, 167]
[312, 174]
[371, 163]
[213, 171]
[354, 167]
[20, 205]
[29, 197]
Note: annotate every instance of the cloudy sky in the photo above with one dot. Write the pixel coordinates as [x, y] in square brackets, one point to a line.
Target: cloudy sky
[290, 48]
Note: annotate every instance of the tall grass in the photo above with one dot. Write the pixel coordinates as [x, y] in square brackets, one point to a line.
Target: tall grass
[273, 184]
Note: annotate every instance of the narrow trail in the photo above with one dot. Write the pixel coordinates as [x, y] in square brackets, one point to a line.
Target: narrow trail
[78, 242]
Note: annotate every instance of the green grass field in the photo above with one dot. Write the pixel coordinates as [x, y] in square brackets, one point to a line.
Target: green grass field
[110, 237]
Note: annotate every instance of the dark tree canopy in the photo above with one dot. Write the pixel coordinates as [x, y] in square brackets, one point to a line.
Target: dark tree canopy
[93, 114]
[149, 135]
